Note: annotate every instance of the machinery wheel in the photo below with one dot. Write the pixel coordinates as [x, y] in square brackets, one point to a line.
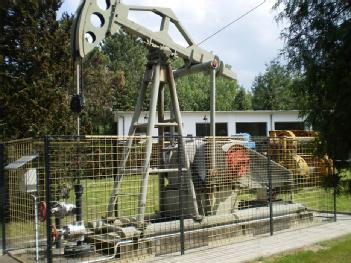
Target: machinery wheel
[238, 161]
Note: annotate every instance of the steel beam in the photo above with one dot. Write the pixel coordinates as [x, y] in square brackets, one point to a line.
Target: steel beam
[178, 117]
[213, 118]
[151, 125]
[119, 177]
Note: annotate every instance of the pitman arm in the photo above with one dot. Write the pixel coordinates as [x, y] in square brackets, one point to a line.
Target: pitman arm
[86, 36]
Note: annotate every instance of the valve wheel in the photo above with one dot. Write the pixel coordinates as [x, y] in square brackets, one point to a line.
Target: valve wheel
[238, 161]
[42, 211]
[54, 233]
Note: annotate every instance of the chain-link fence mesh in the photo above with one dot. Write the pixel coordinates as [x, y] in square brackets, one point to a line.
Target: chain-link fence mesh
[111, 199]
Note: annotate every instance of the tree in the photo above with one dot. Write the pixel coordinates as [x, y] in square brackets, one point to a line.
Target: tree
[194, 91]
[272, 89]
[35, 70]
[127, 58]
[318, 45]
[100, 85]
[243, 100]
[226, 93]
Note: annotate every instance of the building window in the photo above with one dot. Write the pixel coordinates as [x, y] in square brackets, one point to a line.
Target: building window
[289, 126]
[253, 128]
[140, 130]
[203, 129]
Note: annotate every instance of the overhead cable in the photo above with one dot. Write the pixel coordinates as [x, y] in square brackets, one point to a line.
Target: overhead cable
[232, 22]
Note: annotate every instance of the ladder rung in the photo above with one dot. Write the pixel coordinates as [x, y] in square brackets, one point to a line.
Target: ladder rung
[167, 124]
[169, 120]
[160, 124]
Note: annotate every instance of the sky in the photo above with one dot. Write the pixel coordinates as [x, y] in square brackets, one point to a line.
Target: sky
[247, 45]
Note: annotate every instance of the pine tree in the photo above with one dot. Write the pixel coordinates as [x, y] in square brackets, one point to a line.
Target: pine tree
[318, 45]
[100, 85]
[272, 90]
[35, 69]
[127, 58]
[242, 100]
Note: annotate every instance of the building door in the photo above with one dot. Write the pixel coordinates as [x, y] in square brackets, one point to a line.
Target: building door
[252, 128]
[289, 126]
[203, 129]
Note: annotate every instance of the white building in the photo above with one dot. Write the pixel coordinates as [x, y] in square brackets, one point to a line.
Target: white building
[197, 123]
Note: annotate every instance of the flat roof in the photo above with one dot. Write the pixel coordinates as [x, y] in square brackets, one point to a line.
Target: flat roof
[236, 111]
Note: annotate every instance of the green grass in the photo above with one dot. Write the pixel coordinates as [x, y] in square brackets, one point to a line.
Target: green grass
[345, 174]
[97, 193]
[314, 198]
[343, 203]
[95, 201]
[334, 251]
[320, 199]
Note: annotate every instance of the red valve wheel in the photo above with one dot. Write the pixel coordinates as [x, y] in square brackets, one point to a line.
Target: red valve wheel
[54, 233]
[42, 211]
[238, 161]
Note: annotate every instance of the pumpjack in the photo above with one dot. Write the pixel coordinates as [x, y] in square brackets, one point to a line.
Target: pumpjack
[158, 73]
[208, 209]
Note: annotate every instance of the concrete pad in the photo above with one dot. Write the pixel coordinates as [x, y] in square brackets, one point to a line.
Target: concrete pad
[7, 259]
[264, 246]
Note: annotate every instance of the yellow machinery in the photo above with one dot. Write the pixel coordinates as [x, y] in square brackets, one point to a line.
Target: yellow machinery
[296, 150]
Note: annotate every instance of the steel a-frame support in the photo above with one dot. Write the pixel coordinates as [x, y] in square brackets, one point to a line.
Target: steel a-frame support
[159, 72]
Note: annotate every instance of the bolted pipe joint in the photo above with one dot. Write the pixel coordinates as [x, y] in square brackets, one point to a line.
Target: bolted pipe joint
[215, 63]
[78, 190]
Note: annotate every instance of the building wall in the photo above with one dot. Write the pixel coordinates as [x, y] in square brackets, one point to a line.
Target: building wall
[190, 119]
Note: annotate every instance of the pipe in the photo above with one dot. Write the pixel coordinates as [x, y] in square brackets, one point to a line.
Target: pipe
[78, 92]
[58, 226]
[203, 67]
[213, 117]
[240, 216]
[102, 259]
[192, 230]
[210, 221]
[224, 226]
[78, 190]
[36, 215]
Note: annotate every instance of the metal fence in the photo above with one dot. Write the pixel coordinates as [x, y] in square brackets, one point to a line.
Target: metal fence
[91, 199]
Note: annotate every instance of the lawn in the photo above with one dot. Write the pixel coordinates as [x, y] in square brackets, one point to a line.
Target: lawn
[343, 203]
[96, 197]
[334, 251]
[97, 193]
[322, 200]
[95, 201]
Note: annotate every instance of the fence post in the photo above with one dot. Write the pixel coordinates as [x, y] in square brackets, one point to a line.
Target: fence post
[334, 200]
[180, 196]
[334, 194]
[3, 197]
[48, 199]
[270, 189]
